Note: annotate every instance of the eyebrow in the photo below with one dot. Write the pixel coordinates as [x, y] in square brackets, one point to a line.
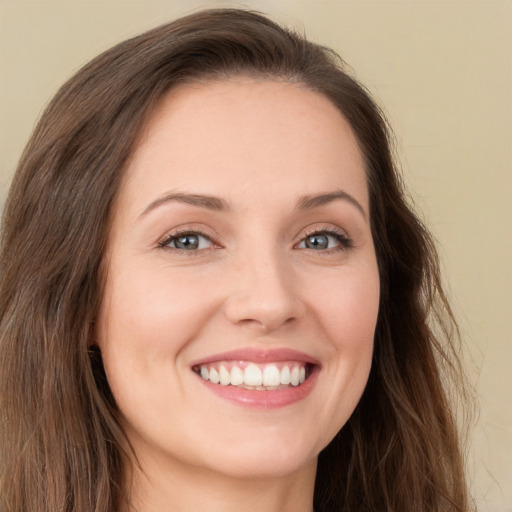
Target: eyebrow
[202, 201]
[308, 202]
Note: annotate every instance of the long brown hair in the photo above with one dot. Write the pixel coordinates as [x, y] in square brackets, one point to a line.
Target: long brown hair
[61, 447]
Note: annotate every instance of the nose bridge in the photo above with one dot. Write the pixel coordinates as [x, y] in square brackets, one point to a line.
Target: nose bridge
[263, 292]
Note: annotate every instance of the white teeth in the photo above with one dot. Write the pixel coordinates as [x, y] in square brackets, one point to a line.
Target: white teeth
[295, 376]
[237, 376]
[285, 375]
[253, 376]
[224, 376]
[214, 376]
[271, 375]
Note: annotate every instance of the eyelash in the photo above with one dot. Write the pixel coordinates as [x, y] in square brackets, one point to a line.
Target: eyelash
[163, 244]
[345, 242]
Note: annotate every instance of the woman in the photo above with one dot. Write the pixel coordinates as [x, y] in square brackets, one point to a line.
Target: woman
[213, 293]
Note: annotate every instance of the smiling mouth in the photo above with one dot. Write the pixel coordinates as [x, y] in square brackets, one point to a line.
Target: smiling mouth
[256, 377]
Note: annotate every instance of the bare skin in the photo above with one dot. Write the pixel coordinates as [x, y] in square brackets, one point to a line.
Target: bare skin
[242, 228]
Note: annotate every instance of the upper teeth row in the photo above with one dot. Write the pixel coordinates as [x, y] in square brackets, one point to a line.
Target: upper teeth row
[252, 375]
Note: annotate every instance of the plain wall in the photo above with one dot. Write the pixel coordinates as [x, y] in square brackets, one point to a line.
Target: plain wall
[442, 70]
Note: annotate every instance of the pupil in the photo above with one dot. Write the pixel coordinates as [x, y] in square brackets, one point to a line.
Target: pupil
[317, 242]
[187, 242]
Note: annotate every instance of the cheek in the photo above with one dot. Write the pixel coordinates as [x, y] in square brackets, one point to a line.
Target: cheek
[144, 325]
[147, 319]
[347, 309]
[151, 309]
[348, 305]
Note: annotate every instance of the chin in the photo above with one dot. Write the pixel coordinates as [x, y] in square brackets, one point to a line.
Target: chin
[264, 457]
[270, 466]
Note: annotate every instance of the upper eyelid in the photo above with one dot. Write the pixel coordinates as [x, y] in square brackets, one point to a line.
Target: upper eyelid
[216, 239]
[185, 230]
[324, 230]
[345, 241]
[316, 229]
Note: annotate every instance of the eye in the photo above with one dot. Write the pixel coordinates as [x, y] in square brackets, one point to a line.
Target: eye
[189, 241]
[324, 240]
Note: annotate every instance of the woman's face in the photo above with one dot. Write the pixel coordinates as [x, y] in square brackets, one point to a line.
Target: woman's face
[242, 289]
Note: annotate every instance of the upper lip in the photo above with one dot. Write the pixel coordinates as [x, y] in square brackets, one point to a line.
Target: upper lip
[258, 355]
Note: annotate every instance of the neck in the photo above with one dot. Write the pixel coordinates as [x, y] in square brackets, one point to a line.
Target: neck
[200, 489]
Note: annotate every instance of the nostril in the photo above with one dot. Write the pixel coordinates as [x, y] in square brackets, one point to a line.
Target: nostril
[267, 324]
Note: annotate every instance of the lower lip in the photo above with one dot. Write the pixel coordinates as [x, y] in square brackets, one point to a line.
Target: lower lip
[271, 399]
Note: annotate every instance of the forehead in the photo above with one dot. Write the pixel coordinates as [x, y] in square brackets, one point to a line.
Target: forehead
[242, 136]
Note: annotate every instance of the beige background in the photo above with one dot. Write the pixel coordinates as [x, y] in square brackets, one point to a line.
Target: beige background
[443, 72]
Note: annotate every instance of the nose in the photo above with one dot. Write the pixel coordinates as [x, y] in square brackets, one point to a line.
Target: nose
[264, 294]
